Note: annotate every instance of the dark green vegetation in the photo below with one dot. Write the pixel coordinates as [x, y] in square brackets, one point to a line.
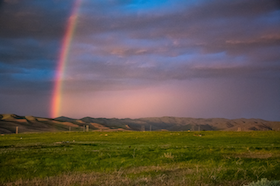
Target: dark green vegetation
[139, 158]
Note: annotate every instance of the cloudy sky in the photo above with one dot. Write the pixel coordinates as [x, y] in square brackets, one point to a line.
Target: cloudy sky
[143, 58]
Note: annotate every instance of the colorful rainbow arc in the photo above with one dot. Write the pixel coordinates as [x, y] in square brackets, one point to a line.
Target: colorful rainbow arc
[57, 91]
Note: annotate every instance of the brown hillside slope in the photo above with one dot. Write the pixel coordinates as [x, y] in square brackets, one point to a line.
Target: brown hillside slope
[9, 122]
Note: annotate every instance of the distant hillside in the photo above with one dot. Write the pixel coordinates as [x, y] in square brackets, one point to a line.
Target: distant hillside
[179, 123]
[9, 122]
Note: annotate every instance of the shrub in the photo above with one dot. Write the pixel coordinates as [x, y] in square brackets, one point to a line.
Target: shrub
[264, 182]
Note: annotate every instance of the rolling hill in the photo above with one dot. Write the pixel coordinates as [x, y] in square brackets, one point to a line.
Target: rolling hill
[9, 122]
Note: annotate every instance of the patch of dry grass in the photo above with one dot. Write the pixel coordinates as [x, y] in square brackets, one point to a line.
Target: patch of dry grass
[174, 175]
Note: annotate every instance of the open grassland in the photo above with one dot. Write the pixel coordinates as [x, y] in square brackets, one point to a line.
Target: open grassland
[139, 158]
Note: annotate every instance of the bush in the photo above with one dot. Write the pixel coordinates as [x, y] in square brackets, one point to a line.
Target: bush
[264, 182]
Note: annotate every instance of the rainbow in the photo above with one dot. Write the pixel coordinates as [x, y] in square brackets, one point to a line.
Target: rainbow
[57, 91]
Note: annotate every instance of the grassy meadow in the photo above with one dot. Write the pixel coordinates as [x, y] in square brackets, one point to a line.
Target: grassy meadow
[139, 158]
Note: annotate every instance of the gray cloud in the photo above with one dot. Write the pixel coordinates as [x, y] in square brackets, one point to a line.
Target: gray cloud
[123, 44]
[30, 36]
[40, 20]
[220, 26]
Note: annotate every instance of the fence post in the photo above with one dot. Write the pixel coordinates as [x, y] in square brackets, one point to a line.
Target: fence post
[143, 128]
[69, 128]
[87, 128]
[16, 130]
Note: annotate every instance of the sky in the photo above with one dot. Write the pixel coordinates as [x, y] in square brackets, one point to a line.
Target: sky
[142, 58]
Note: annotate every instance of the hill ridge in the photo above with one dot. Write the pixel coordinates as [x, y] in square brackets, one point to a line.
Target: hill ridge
[8, 122]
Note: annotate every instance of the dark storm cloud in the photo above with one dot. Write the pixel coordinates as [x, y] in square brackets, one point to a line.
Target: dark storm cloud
[190, 16]
[26, 66]
[1, 3]
[31, 32]
[35, 19]
[27, 52]
[247, 33]
[101, 75]
[30, 37]
[131, 44]
[210, 25]
[25, 87]
[236, 27]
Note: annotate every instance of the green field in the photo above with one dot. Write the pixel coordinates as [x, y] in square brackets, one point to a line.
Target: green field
[139, 158]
